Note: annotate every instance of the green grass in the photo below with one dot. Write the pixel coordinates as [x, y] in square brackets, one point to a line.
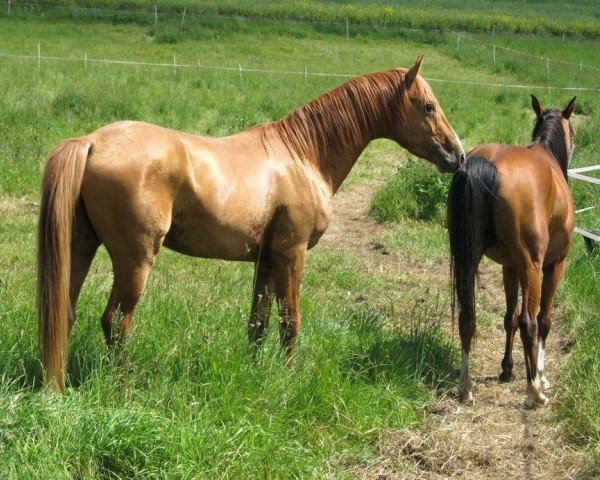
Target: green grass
[416, 191]
[579, 407]
[192, 403]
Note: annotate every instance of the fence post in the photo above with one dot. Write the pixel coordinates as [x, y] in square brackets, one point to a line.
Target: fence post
[183, 16]
[39, 56]
[494, 50]
[9, 7]
[240, 70]
[155, 15]
[305, 71]
[85, 61]
[175, 63]
[347, 30]
[457, 42]
[548, 67]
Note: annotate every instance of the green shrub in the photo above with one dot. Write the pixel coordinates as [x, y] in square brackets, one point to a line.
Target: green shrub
[417, 191]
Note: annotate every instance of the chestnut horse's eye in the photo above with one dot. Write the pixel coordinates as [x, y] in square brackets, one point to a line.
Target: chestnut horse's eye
[429, 108]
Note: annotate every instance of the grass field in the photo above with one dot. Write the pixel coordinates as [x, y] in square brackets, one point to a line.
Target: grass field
[192, 403]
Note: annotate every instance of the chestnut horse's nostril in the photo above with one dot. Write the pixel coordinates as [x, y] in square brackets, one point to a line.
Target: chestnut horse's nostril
[462, 161]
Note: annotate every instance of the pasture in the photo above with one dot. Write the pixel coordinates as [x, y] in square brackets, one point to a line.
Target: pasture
[376, 352]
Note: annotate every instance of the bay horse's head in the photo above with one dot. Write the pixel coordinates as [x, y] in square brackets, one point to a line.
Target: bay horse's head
[425, 130]
[553, 130]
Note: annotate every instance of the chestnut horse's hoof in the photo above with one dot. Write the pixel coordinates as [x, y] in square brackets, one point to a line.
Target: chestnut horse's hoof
[506, 377]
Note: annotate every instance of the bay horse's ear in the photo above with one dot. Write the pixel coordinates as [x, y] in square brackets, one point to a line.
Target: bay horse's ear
[409, 77]
[566, 113]
[537, 108]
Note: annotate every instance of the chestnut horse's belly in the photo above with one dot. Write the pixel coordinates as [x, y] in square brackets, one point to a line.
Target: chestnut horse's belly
[204, 236]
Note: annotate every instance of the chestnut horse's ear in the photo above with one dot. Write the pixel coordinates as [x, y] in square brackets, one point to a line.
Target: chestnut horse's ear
[566, 113]
[537, 108]
[409, 77]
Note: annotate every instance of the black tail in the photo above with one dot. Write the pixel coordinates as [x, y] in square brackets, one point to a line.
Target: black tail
[471, 229]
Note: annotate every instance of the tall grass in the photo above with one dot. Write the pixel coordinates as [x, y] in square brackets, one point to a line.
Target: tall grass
[192, 402]
[579, 406]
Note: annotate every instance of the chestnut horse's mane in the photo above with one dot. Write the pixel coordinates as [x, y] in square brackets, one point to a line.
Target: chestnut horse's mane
[548, 131]
[361, 109]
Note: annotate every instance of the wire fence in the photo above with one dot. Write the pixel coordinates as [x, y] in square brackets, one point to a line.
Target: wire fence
[154, 16]
[240, 70]
[591, 239]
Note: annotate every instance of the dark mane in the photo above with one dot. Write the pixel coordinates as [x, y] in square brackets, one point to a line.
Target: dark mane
[359, 110]
[549, 132]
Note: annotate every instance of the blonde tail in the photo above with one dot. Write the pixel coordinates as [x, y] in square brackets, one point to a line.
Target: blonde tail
[61, 187]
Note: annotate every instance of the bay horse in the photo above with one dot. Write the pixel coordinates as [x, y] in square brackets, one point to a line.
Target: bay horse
[263, 195]
[513, 204]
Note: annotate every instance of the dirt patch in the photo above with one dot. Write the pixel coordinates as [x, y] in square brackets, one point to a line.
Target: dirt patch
[498, 437]
[17, 206]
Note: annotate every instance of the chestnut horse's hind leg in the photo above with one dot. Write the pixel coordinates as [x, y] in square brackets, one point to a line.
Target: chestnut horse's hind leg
[262, 300]
[552, 276]
[128, 285]
[531, 287]
[131, 266]
[511, 292]
[84, 244]
[287, 270]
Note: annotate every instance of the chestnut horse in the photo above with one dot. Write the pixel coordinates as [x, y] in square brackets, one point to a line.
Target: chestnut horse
[513, 204]
[263, 195]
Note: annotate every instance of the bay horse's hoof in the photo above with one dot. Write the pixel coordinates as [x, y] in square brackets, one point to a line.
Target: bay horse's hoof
[467, 398]
[535, 397]
[506, 377]
[544, 383]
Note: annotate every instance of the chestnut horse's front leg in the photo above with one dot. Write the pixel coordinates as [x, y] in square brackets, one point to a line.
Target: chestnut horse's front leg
[287, 270]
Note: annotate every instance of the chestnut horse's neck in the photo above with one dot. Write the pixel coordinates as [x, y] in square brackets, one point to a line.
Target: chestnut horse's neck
[332, 131]
[549, 132]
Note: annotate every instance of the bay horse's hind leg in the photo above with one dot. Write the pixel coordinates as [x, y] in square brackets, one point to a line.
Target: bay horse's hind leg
[552, 276]
[511, 292]
[262, 299]
[466, 329]
[287, 270]
[531, 288]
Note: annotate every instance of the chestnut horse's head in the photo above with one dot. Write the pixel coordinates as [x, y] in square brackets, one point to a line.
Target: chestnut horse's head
[425, 130]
